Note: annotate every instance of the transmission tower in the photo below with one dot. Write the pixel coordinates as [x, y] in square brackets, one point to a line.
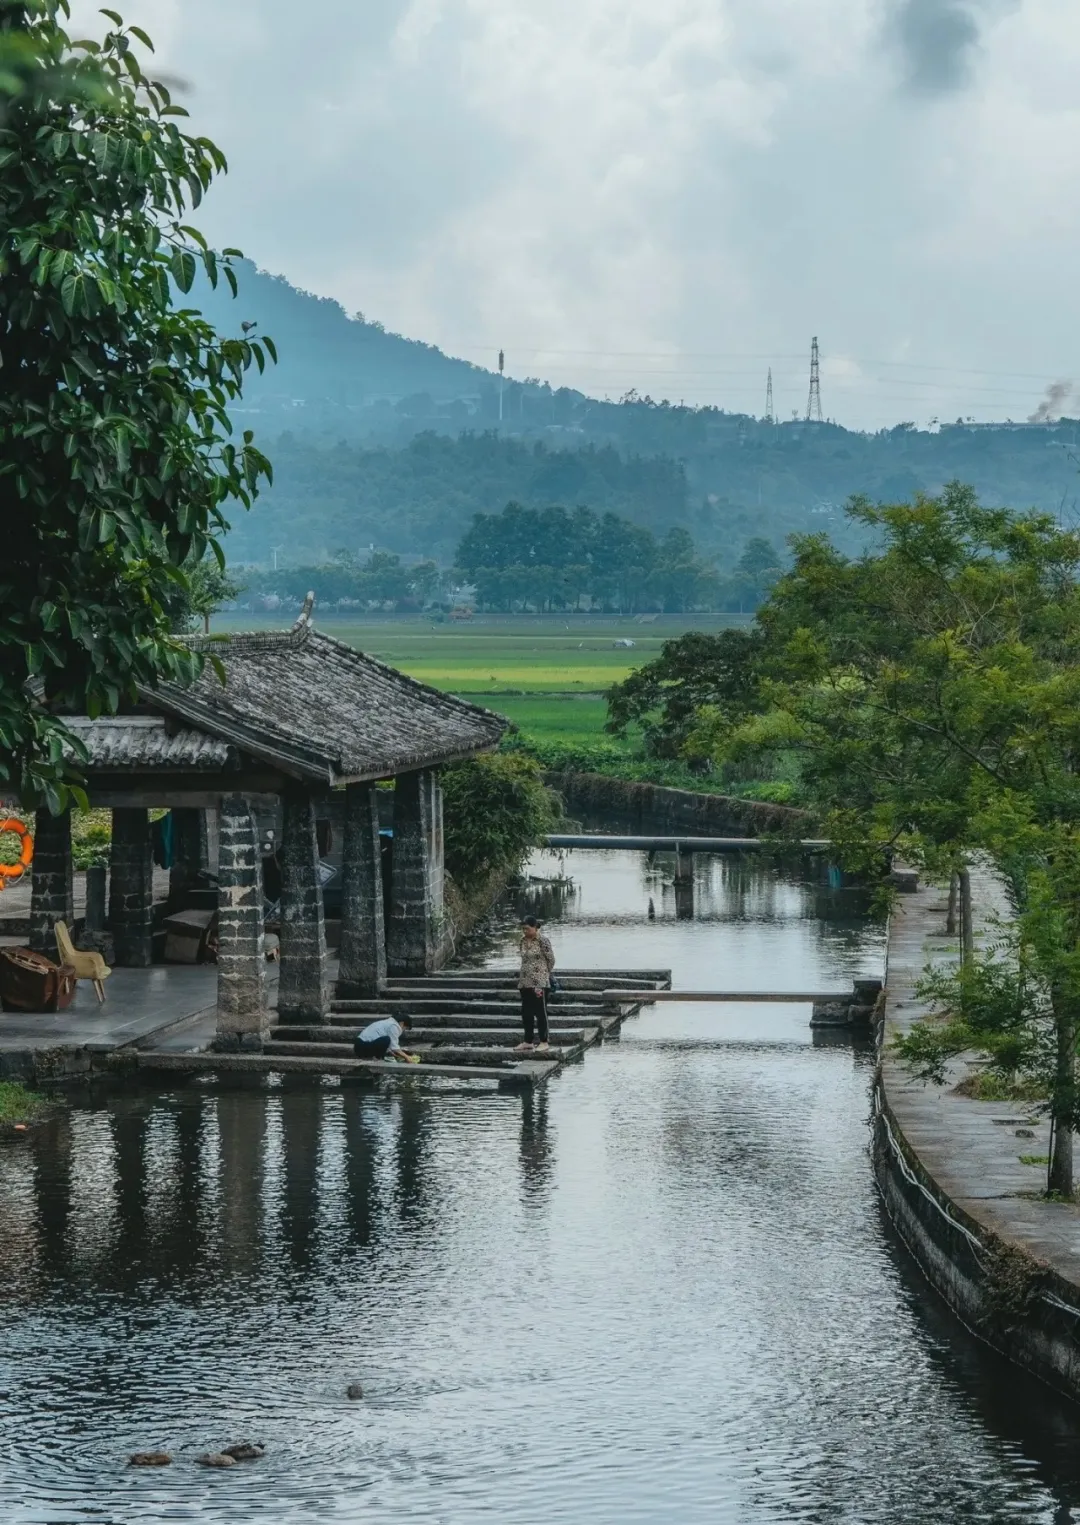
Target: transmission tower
[770, 411]
[813, 405]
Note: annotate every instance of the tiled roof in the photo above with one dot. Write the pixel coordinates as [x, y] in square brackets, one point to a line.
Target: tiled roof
[321, 710]
[146, 741]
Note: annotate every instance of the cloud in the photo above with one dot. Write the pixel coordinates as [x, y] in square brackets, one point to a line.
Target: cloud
[670, 197]
[936, 40]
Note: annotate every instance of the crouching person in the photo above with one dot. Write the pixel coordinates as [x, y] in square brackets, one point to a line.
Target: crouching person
[382, 1040]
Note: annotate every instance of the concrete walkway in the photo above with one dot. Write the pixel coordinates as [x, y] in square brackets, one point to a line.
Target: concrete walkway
[972, 1149]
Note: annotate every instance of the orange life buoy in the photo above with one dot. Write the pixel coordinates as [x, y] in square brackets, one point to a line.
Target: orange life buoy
[10, 872]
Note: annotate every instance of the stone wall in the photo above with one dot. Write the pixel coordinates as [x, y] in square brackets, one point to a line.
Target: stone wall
[952, 1175]
[1000, 1292]
[651, 809]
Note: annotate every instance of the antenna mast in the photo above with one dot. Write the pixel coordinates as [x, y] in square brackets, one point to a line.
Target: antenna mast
[770, 411]
[813, 405]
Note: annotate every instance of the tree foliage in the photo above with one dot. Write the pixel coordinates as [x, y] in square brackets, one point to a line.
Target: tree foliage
[554, 557]
[116, 456]
[695, 672]
[931, 691]
[496, 810]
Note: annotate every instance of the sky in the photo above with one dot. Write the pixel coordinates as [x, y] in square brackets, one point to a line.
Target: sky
[669, 195]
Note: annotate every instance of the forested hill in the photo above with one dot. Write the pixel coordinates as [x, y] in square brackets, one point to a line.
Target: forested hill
[422, 498]
[328, 360]
[385, 440]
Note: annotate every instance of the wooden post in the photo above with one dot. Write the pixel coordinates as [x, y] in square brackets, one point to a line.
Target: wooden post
[950, 915]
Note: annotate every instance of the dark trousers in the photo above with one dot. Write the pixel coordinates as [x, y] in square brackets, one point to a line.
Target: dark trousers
[375, 1050]
[534, 1015]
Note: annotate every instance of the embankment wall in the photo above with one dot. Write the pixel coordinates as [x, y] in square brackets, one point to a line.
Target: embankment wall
[951, 1180]
[636, 807]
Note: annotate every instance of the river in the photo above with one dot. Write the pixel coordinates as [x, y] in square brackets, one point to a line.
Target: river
[660, 1290]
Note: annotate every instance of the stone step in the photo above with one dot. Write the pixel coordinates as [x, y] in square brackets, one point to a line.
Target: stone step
[464, 993]
[418, 1037]
[587, 978]
[525, 1073]
[440, 1055]
[508, 1021]
[419, 1007]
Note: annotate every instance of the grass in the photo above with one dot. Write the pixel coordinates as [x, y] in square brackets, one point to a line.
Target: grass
[547, 674]
[18, 1105]
[1034, 1159]
[984, 1085]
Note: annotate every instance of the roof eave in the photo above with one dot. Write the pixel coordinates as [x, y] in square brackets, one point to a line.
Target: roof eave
[391, 770]
[306, 766]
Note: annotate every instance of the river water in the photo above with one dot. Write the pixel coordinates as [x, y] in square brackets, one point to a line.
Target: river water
[662, 1290]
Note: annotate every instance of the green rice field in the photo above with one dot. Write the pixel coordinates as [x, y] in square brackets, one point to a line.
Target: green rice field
[546, 674]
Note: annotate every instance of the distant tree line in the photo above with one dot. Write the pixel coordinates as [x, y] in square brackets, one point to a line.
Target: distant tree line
[559, 558]
[348, 582]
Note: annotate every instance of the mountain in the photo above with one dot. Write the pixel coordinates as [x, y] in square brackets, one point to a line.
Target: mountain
[325, 355]
[381, 439]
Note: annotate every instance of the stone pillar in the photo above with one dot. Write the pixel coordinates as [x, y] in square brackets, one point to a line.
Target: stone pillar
[51, 891]
[416, 927]
[303, 995]
[94, 937]
[363, 929]
[684, 886]
[242, 1020]
[131, 888]
[189, 853]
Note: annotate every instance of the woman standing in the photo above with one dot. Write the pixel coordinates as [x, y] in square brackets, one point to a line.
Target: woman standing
[537, 962]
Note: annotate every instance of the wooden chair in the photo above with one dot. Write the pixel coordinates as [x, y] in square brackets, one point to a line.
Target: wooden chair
[87, 966]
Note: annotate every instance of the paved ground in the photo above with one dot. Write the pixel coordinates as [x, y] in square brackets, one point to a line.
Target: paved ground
[971, 1148]
[137, 1002]
[15, 904]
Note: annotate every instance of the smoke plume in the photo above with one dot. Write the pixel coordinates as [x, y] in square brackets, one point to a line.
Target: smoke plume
[1053, 403]
[936, 40]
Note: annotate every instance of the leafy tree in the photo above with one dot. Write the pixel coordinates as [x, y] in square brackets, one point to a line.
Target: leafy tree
[932, 692]
[694, 672]
[206, 587]
[116, 462]
[496, 810]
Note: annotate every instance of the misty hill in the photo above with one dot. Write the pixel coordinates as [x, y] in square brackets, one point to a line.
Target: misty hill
[421, 498]
[380, 439]
[326, 356]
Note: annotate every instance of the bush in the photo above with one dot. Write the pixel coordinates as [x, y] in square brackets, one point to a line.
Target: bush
[496, 810]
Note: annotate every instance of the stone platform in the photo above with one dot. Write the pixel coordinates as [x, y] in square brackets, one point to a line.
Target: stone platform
[959, 1177]
[466, 1025]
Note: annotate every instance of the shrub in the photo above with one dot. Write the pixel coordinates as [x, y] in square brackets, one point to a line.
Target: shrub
[496, 810]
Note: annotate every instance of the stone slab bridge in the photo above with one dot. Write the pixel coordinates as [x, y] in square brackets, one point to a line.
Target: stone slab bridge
[299, 720]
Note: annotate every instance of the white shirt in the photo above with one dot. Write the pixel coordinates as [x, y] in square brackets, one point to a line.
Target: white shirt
[385, 1027]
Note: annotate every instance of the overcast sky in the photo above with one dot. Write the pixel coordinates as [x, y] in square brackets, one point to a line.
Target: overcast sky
[666, 194]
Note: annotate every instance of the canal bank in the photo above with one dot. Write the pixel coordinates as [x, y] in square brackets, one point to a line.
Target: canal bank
[960, 1178]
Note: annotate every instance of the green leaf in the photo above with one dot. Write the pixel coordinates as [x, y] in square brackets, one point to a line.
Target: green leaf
[137, 31]
[182, 265]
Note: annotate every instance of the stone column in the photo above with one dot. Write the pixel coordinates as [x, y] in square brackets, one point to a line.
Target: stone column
[363, 929]
[303, 995]
[242, 1020]
[416, 927]
[189, 853]
[51, 891]
[131, 888]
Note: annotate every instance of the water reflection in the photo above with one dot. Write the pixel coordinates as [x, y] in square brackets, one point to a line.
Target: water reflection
[661, 1289]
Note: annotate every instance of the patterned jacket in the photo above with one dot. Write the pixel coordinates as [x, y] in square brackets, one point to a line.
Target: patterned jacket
[537, 962]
